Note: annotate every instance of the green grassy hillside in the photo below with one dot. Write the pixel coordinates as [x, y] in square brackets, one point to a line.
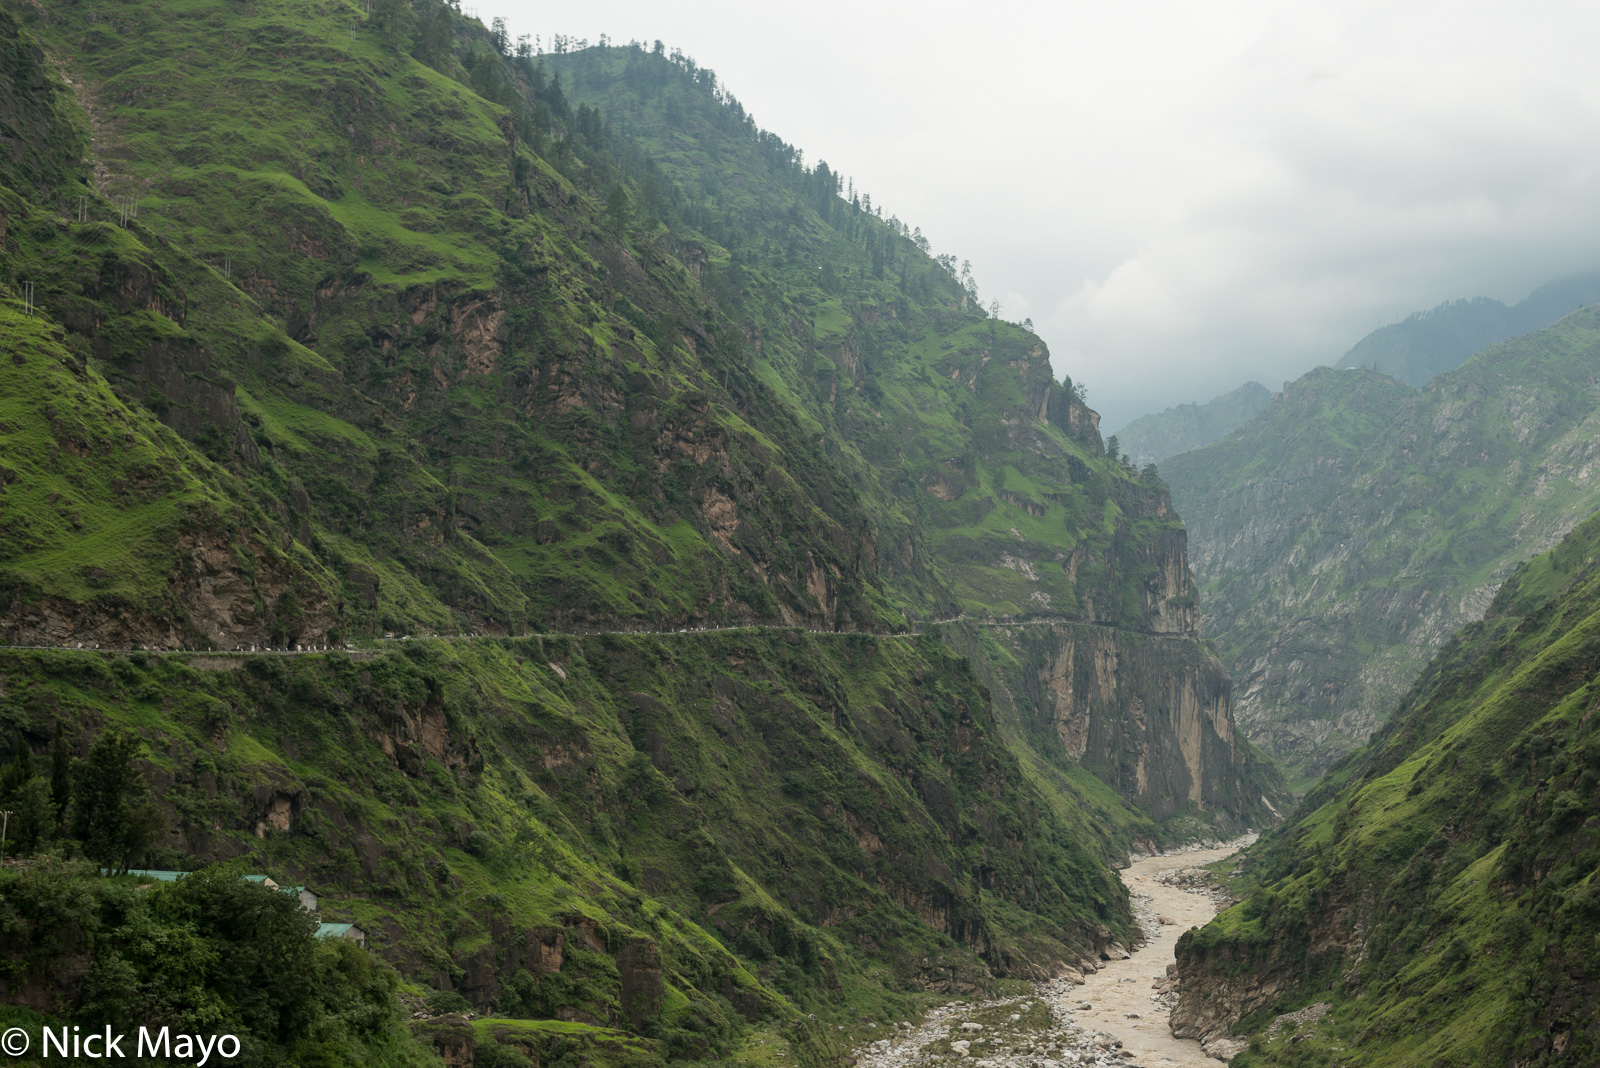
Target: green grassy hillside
[985, 481]
[1436, 888]
[350, 321]
[451, 276]
[693, 839]
[515, 344]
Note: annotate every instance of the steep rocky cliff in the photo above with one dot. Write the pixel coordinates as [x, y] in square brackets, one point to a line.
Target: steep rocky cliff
[1146, 708]
[1434, 894]
[986, 481]
[1149, 714]
[1346, 532]
[362, 324]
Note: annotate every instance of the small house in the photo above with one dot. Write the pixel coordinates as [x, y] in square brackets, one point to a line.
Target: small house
[347, 931]
[305, 895]
[308, 899]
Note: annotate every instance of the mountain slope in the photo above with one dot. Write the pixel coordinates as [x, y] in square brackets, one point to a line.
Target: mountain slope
[1414, 350]
[1344, 534]
[1436, 890]
[418, 342]
[985, 480]
[475, 318]
[1432, 342]
[1152, 439]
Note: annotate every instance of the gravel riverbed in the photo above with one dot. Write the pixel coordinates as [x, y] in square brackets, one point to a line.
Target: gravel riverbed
[1118, 1015]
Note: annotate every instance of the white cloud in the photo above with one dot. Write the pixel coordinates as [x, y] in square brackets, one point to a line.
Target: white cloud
[1184, 195]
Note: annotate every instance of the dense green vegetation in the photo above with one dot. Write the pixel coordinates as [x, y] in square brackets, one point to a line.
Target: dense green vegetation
[349, 321]
[632, 829]
[965, 451]
[510, 322]
[1346, 532]
[211, 955]
[1437, 888]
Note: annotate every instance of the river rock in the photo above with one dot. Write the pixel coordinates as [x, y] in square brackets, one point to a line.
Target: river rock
[1224, 1049]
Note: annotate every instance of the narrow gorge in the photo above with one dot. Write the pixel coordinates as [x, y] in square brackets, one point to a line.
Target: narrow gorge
[639, 590]
[506, 562]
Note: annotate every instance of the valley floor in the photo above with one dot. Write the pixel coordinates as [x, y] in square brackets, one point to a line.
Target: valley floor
[1117, 1016]
[1122, 995]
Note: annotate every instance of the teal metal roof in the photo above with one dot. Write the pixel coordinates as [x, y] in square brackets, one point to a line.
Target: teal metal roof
[150, 873]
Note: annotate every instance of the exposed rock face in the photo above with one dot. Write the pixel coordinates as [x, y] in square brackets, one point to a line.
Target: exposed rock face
[210, 603]
[1344, 534]
[1304, 692]
[1151, 715]
[1216, 989]
[1095, 607]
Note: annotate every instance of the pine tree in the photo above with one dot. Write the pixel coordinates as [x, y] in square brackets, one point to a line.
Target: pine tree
[109, 788]
[394, 22]
[19, 771]
[619, 211]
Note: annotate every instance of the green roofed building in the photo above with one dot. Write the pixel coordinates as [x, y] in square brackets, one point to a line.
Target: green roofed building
[342, 930]
[150, 873]
[308, 897]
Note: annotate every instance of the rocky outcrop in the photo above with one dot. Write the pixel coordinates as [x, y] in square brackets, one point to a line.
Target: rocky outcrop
[210, 602]
[1150, 714]
[1344, 534]
[1217, 988]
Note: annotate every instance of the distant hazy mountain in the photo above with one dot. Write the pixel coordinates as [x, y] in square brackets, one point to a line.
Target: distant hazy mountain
[1153, 438]
[1432, 342]
[1349, 529]
[1425, 344]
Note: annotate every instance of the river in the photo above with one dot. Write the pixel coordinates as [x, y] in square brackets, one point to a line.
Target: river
[1116, 1016]
[1122, 989]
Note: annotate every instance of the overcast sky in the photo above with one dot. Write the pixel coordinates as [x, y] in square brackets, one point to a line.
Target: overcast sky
[1182, 196]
